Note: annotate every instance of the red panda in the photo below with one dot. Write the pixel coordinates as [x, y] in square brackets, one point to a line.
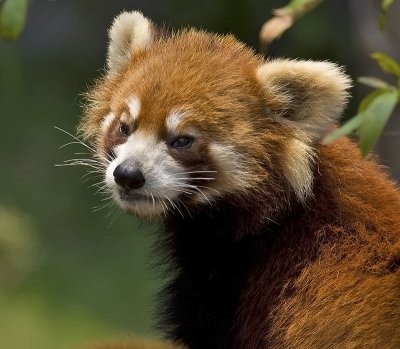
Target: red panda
[273, 240]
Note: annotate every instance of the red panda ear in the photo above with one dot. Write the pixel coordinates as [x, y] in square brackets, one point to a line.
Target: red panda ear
[308, 95]
[129, 33]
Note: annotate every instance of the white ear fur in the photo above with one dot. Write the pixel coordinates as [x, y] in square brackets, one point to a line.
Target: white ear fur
[309, 95]
[129, 33]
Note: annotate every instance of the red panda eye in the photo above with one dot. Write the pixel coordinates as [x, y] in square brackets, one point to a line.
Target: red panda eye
[182, 142]
[124, 129]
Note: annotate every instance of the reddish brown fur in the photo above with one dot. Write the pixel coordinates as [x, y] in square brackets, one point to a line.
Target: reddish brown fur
[188, 57]
[340, 285]
[332, 277]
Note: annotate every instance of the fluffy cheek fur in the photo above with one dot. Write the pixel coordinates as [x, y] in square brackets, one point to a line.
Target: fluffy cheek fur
[256, 168]
[234, 173]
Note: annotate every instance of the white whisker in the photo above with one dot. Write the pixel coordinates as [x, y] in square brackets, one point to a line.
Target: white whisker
[197, 178]
[99, 208]
[118, 214]
[76, 138]
[174, 206]
[192, 172]
[212, 189]
[185, 206]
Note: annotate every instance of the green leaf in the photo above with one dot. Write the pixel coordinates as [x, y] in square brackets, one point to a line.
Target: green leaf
[387, 64]
[375, 117]
[366, 101]
[385, 4]
[12, 18]
[300, 7]
[382, 21]
[372, 82]
[347, 128]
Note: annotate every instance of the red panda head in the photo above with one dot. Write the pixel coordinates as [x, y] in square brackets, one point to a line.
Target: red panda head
[186, 119]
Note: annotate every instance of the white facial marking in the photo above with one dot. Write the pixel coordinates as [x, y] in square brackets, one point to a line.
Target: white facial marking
[299, 158]
[162, 184]
[134, 106]
[230, 166]
[108, 119]
[173, 120]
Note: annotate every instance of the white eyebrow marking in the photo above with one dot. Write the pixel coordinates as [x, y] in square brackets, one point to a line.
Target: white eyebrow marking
[134, 106]
[174, 119]
[108, 119]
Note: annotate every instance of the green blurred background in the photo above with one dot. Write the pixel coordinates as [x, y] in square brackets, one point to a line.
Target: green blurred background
[69, 274]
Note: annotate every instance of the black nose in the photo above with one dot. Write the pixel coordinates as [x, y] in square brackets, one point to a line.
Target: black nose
[128, 176]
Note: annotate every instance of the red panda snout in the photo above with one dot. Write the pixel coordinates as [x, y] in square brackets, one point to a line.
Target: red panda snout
[128, 176]
[141, 175]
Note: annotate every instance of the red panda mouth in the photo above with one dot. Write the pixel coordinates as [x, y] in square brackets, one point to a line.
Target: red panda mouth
[141, 204]
[133, 196]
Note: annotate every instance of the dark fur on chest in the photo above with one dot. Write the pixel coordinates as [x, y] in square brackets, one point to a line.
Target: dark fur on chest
[209, 269]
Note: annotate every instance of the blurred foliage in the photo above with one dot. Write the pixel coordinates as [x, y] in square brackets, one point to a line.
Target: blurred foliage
[12, 18]
[385, 5]
[16, 249]
[375, 109]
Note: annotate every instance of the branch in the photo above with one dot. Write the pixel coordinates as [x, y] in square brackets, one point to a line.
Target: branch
[284, 18]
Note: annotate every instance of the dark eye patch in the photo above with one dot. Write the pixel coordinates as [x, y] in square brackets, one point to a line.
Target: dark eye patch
[182, 142]
[124, 129]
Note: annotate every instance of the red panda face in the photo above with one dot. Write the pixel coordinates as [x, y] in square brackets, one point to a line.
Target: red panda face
[153, 169]
[168, 146]
[184, 120]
